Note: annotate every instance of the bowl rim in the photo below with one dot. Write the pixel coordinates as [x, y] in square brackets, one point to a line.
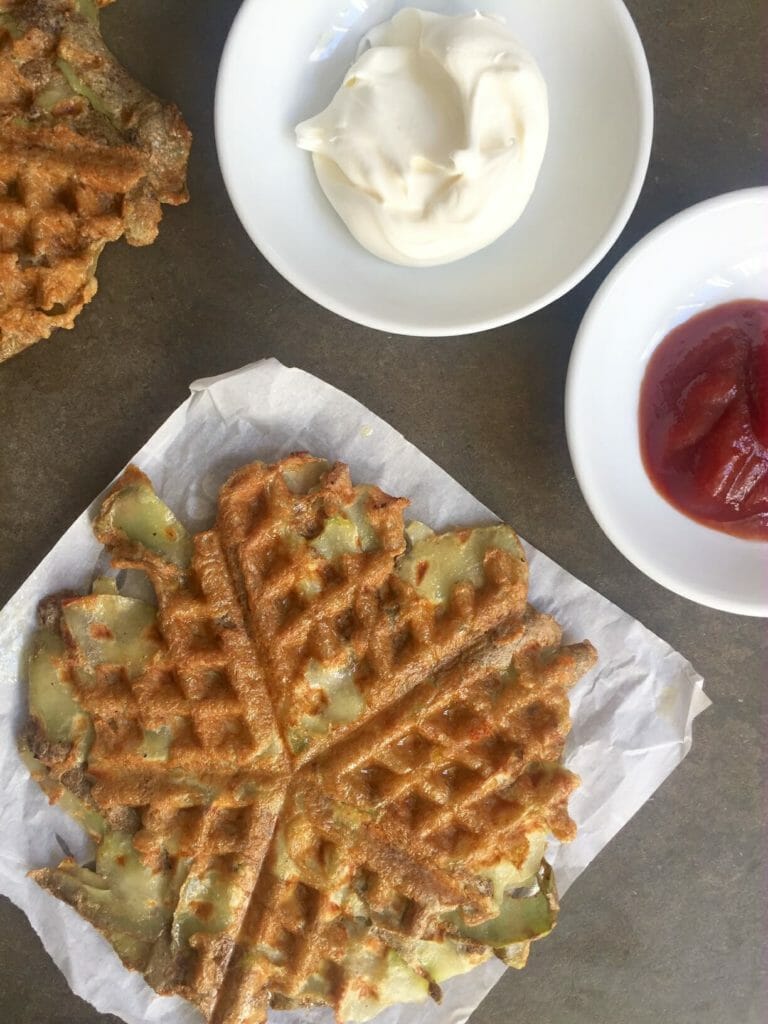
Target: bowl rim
[579, 454]
[393, 325]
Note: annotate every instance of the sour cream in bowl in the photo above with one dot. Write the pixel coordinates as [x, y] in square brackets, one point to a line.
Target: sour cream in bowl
[432, 146]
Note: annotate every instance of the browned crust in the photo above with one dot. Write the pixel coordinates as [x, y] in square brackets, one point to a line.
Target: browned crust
[72, 177]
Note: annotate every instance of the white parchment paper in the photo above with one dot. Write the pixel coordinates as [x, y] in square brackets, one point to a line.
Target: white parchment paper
[632, 716]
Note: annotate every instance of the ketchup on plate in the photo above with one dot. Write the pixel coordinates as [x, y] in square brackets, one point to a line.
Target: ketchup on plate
[704, 418]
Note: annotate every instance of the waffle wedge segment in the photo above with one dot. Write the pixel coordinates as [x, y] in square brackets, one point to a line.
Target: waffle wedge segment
[305, 547]
[334, 599]
[185, 756]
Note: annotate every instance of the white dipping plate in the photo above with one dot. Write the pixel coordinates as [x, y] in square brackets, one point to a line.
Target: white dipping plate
[284, 61]
[715, 252]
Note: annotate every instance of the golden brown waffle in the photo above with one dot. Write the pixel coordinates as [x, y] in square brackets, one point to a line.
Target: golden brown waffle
[330, 761]
[86, 156]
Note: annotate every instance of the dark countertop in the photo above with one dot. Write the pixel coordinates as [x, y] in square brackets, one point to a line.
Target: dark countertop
[669, 922]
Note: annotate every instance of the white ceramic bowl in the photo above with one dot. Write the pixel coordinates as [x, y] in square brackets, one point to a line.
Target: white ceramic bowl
[713, 253]
[283, 62]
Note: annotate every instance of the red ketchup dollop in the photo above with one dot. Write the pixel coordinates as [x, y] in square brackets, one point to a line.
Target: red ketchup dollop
[704, 418]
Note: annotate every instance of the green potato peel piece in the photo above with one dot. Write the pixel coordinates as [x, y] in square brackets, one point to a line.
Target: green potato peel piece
[136, 522]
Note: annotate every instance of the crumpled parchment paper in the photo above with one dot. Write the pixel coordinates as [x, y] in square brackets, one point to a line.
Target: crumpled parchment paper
[632, 716]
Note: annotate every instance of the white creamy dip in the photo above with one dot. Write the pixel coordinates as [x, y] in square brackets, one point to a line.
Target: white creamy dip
[431, 148]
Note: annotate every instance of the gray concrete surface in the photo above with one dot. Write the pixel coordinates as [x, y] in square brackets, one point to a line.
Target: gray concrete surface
[668, 925]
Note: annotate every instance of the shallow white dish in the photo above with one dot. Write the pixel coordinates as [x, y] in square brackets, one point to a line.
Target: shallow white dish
[284, 61]
[712, 253]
